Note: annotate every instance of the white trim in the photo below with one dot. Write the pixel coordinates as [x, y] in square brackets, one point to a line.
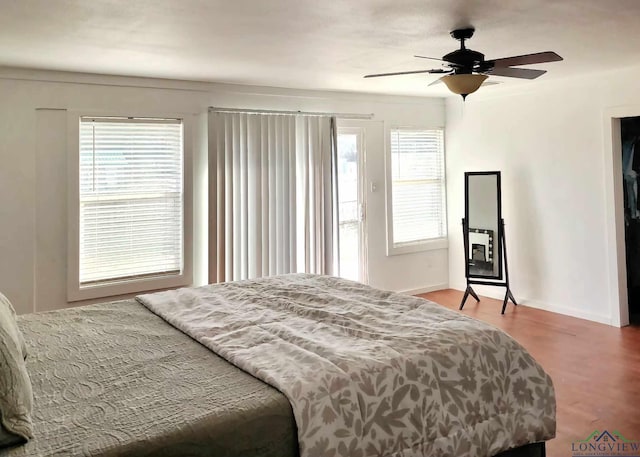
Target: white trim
[567, 311]
[200, 212]
[424, 290]
[73, 206]
[614, 210]
[497, 293]
[418, 246]
[74, 291]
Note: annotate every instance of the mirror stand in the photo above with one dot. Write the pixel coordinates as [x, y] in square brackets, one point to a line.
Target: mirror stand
[470, 281]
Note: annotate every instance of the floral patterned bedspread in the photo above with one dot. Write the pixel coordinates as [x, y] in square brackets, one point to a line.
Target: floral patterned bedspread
[369, 372]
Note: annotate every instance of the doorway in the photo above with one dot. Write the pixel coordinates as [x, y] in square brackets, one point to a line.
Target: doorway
[351, 204]
[630, 151]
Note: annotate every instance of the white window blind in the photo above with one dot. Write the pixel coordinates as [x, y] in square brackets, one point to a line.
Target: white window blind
[418, 185]
[131, 199]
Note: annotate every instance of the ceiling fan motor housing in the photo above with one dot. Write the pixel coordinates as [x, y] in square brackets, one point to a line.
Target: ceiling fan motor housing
[464, 60]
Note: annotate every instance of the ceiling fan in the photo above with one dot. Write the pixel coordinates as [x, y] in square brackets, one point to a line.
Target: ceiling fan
[468, 69]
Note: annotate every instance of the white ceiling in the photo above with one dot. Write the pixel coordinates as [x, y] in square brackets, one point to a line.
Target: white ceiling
[311, 44]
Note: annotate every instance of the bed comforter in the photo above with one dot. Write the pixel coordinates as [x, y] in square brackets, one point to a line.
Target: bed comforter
[368, 372]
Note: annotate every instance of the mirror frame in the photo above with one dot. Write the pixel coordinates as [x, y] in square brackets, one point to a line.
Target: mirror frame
[497, 240]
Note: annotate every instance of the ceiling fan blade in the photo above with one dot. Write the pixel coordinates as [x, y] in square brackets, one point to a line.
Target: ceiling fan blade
[523, 73]
[437, 81]
[527, 59]
[438, 70]
[430, 58]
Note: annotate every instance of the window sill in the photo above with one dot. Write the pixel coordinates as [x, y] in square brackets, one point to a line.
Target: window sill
[421, 246]
[77, 293]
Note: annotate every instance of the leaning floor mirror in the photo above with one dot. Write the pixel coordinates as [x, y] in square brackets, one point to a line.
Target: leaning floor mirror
[483, 231]
[483, 216]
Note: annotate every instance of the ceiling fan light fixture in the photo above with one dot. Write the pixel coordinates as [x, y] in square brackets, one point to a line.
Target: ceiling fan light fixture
[466, 68]
[464, 84]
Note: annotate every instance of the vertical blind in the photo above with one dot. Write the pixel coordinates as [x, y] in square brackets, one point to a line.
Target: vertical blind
[418, 186]
[131, 195]
[272, 190]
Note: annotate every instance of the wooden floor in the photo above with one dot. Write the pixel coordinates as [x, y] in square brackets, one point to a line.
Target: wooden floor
[595, 368]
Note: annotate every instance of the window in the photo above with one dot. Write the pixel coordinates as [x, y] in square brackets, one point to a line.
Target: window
[130, 206]
[417, 202]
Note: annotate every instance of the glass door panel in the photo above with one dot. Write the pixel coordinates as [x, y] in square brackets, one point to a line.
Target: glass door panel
[350, 205]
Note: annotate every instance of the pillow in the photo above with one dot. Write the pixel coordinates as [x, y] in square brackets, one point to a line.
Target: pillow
[16, 396]
[8, 314]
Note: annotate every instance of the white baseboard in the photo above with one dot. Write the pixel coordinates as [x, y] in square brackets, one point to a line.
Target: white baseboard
[498, 293]
[486, 291]
[568, 311]
[424, 290]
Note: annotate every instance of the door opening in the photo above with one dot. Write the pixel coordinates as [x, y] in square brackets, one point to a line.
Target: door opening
[630, 142]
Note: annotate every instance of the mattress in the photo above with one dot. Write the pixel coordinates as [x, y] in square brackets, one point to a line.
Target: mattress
[115, 380]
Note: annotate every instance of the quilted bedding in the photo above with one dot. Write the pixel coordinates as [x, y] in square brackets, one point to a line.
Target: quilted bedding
[369, 372]
[114, 380]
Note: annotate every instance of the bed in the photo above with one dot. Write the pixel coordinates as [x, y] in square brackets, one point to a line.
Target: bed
[117, 379]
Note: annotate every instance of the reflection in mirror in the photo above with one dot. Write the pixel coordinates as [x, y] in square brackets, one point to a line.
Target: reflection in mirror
[483, 220]
[481, 252]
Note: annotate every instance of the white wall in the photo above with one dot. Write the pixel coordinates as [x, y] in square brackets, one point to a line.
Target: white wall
[549, 141]
[33, 150]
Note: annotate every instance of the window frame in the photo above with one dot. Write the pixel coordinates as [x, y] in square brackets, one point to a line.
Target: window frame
[416, 246]
[76, 292]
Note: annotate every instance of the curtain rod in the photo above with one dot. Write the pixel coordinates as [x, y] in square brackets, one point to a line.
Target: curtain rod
[303, 113]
